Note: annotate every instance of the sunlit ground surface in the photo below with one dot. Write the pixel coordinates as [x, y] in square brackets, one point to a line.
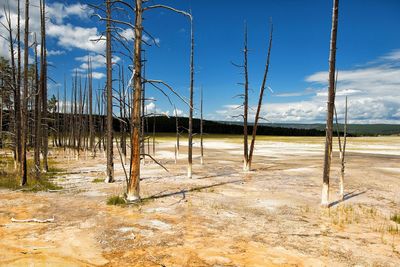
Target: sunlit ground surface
[221, 217]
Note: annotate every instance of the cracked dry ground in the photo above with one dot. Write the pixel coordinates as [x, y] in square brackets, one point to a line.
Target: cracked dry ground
[222, 217]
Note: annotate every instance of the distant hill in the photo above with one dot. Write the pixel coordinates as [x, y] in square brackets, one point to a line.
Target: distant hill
[165, 124]
[353, 129]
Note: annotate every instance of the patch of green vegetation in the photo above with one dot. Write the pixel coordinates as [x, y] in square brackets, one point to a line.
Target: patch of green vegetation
[393, 229]
[98, 180]
[10, 178]
[395, 218]
[116, 200]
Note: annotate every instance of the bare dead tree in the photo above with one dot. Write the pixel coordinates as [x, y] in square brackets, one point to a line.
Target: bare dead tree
[245, 105]
[190, 130]
[133, 189]
[64, 106]
[58, 119]
[91, 124]
[24, 109]
[201, 129]
[124, 105]
[177, 132]
[43, 84]
[154, 133]
[17, 93]
[343, 154]
[136, 81]
[143, 106]
[110, 160]
[330, 105]
[38, 119]
[260, 98]
[1, 120]
[342, 150]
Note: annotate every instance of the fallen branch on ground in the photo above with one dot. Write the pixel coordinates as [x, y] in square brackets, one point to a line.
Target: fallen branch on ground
[33, 220]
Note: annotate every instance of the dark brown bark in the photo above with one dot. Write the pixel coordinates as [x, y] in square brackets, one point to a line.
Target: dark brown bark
[330, 105]
[110, 161]
[133, 189]
[24, 109]
[17, 93]
[260, 100]
[1, 121]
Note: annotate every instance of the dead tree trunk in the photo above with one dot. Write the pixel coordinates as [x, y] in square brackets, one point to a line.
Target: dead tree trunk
[342, 153]
[330, 105]
[110, 161]
[13, 74]
[43, 83]
[143, 105]
[17, 94]
[64, 107]
[123, 115]
[201, 129]
[154, 134]
[245, 105]
[91, 124]
[1, 120]
[190, 130]
[38, 126]
[24, 110]
[133, 189]
[260, 100]
[177, 132]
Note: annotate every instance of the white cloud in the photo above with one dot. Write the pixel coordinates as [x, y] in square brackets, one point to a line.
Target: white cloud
[129, 35]
[394, 55]
[150, 108]
[59, 11]
[55, 52]
[97, 61]
[70, 37]
[373, 92]
[178, 112]
[98, 75]
[83, 73]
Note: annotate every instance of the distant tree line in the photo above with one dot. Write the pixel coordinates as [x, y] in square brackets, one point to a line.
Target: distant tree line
[165, 124]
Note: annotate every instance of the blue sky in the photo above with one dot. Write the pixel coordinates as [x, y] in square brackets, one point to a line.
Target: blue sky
[368, 54]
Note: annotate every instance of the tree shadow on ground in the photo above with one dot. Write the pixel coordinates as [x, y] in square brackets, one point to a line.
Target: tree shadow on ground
[184, 191]
[346, 197]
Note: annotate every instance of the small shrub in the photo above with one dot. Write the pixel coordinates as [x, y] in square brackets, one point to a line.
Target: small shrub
[98, 180]
[116, 200]
[395, 218]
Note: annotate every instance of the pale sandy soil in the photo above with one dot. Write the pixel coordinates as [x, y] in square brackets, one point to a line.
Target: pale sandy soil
[222, 217]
